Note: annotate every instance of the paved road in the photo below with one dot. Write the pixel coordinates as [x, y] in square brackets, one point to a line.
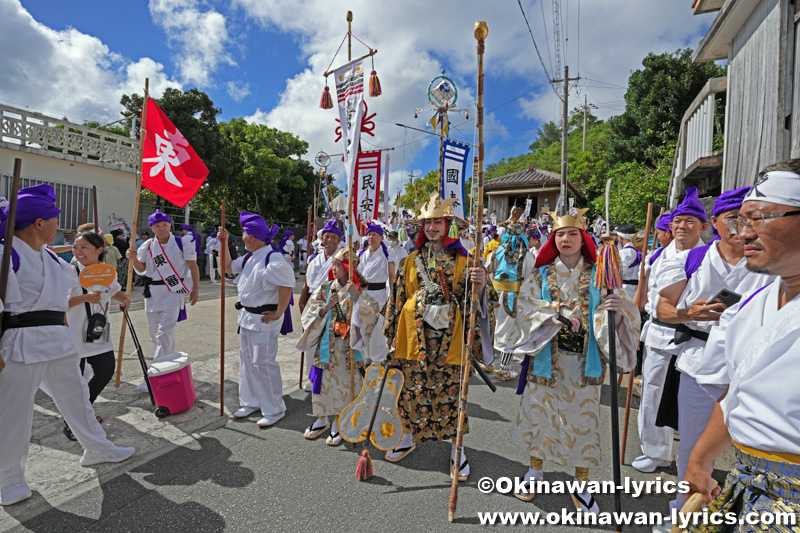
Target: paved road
[199, 471]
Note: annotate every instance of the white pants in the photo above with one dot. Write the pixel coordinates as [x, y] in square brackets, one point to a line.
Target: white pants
[656, 441]
[259, 373]
[61, 380]
[695, 404]
[162, 326]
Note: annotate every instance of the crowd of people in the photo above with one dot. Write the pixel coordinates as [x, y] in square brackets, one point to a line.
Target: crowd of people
[712, 327]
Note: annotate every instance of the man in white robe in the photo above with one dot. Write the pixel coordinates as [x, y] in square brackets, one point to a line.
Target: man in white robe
[377, 269]
[630, 257]
[759, 412]
[170, 272]
[265, 282]
[687, 300]
[397, 253]
[39, 350]
[689, 221]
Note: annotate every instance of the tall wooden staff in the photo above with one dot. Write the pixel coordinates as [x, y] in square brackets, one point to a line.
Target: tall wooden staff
[633, 370]
[222, 251]
[142, 135]
[96, 219]
[308, 240]
[481, 31]
[12, 216]
[350, 223]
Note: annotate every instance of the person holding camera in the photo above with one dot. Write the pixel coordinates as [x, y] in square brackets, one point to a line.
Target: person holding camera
[88, 318]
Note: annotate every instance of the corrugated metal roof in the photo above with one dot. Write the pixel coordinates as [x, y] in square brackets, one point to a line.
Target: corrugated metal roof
[530, 176]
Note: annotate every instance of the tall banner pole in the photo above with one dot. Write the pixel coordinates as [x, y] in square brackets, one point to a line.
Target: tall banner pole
[129, 284]
[350, 217]
[96, 219]
[481, 31]
[12, 217]
[222, 251]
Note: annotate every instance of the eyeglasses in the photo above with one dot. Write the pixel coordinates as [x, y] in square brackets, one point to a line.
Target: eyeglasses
[737, 225]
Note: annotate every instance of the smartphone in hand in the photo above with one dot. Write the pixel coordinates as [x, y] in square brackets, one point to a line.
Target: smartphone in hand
[727, 297]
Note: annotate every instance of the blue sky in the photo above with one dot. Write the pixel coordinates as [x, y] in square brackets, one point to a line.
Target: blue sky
[263, 59]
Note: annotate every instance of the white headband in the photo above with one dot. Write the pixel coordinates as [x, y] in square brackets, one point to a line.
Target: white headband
[777, 187]
[626, 236]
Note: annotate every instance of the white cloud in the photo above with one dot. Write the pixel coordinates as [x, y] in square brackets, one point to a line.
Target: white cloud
[199, 37]
[67, 73]
[416, 39]
[238, 90]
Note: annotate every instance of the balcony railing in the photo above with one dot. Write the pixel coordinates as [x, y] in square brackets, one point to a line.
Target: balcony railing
[44, 135]
[695, 149]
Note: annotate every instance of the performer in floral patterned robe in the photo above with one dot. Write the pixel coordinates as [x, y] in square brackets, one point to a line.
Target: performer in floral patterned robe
[339, 316]
[559, 415]
[426, 329]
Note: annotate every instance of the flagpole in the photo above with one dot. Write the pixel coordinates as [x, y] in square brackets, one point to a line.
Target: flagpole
[96, 220]
[9, 236]
[222, 251]
[481, 32]
[350, 222]
[128, 285]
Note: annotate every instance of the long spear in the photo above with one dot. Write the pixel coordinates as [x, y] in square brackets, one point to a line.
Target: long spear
[633, 370]
[481, 31]
[609, 277]
[12, 216]
[222, 251]
[128, 285]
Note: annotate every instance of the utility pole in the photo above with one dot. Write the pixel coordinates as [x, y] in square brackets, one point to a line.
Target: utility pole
[585, 108]
[562, 206]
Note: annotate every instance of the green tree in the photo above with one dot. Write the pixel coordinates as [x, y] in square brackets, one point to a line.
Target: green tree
[547, 134]
[658, 95]
[419, 190]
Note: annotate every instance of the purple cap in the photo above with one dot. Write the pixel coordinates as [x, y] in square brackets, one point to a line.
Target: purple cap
[157, 217]
[691, 205]
[35, 202]
[254, 225]
[492, 228]
[374, 228]
[286, 235]
[332, 227]
[729, 200]
[664, 221]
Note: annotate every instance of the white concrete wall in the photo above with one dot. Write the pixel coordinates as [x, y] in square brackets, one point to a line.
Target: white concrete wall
[116, 189]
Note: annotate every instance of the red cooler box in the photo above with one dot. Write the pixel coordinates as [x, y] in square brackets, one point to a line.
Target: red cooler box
[171, 381]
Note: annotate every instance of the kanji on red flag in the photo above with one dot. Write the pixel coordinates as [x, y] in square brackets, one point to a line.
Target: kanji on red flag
[170, 166]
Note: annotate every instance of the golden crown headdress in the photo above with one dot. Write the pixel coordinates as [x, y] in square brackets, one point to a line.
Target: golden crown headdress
[437, 207]
[342, 255]
[567, 221]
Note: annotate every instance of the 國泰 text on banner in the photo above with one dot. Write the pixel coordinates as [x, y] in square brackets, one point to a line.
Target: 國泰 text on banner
[454, 168]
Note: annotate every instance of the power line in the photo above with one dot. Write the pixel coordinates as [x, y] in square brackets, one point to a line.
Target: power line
[546, 38]
[546, 73]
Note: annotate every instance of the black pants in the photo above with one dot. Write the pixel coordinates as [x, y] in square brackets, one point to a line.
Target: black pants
[103, 367]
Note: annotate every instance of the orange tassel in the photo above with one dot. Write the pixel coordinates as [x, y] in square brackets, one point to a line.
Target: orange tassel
[374, 84]
[326, 102]
[364, 468]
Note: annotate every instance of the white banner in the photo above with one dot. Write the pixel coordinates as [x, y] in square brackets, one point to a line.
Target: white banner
[454, 169]
[350, 94]
[386, 191]
[367, 185]
[527, 212]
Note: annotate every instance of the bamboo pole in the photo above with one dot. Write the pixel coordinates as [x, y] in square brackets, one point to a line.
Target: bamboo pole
[96, 219]
[222, 251]
[128, 285]
[12, 217]
[481, 31]
[350, 228]
[633, 370]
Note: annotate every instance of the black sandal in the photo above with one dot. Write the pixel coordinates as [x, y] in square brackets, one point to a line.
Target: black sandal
[68, 433]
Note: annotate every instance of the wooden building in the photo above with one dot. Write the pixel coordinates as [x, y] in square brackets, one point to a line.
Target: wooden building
[513, 189]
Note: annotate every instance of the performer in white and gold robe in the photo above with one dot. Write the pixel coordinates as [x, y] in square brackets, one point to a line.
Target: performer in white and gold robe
[339, 316]
[559, 415]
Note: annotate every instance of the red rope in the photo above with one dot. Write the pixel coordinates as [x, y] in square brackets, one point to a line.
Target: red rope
[336, 54]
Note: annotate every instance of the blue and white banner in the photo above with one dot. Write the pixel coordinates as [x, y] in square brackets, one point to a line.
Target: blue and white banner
[454, 171]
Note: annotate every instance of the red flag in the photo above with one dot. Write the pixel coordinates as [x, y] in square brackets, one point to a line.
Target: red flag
[170, 167]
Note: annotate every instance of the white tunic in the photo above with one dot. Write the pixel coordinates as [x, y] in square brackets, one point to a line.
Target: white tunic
[161, 297]
[374, 266]
[762, 355]
[78, 322]
[505, 329]
[713, 275]
[317, 271]
[288, 246]
[653, 335]
[628, 256]
[396, 255]
[212, 245]
[43, 283]
[259, 284]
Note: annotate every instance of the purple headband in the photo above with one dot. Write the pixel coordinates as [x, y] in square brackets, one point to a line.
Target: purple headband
[286, 235]
[157, 217]
[729, 200]
[35, 202]
[374, 228]
[332, 227]
[691, 206]
[664, 221]
[254, 225]
[187, 227]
